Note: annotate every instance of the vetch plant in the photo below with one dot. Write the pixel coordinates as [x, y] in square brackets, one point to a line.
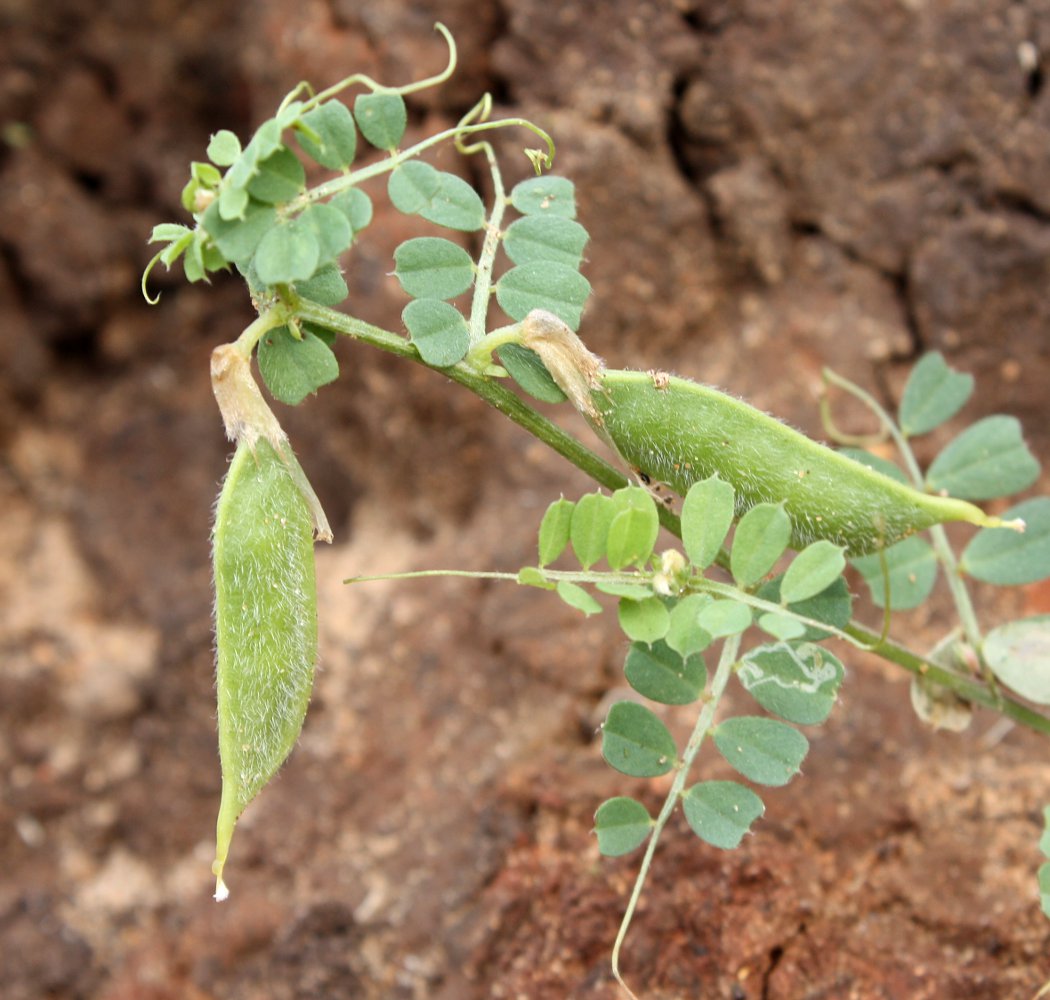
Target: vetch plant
[769, 521]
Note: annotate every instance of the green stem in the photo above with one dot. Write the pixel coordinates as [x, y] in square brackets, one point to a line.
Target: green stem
[356, 177]
[479, 306]
[408, 88]
[269, 319]
[966, 687]
[960, 592]
[888, 424]
[602, 472]
[480, 355]
[492, 392]
[726, 662]
[423, 574]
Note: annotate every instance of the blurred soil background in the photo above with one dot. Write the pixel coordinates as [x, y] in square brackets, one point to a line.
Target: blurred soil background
[770, 186]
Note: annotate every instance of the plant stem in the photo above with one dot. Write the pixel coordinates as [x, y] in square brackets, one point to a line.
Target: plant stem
[408, 88]
[479, 305]
[888, 424]
[277, 315]
[602, 472]
[724, 671]
[966, 687]
[384, 166]
[493, 393]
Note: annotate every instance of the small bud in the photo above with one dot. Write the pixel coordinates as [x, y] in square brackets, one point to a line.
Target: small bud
[672, 562]
[202, 198]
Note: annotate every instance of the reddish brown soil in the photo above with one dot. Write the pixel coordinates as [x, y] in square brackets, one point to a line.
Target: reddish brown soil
[770, 186]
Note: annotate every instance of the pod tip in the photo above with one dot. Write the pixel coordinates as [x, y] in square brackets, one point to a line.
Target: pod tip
[222, 892]
[1014, 524]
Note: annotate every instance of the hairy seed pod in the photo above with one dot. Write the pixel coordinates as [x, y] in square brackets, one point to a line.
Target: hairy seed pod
[265, 595]
[265, 627]
[674, 431]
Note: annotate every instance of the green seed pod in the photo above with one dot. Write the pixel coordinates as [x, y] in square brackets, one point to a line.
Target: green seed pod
[265, 627]
[265, 598]
[672, 431]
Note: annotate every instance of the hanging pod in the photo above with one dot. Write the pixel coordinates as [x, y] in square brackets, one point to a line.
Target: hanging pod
[265, 597]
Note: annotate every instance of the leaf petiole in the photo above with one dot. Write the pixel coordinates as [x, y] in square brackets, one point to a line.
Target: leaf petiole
[726, 663]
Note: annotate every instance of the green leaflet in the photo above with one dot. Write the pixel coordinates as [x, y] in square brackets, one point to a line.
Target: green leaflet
[622, 824]
[636, 742]
[721, 812]
[934, 393]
